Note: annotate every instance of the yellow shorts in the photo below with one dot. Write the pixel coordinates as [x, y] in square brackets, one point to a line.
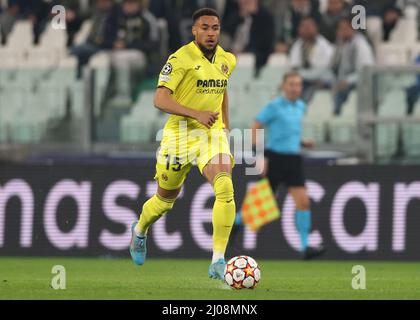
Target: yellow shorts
[173, 164]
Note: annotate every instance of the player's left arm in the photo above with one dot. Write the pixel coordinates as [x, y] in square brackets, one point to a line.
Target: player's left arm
[225, 111]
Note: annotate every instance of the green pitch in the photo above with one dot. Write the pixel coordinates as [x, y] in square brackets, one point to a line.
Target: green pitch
[30, 278]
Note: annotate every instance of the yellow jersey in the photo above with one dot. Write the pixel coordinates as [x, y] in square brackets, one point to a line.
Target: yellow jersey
[197, 83]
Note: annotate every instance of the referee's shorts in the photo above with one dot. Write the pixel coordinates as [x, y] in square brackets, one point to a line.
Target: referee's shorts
[285, 168]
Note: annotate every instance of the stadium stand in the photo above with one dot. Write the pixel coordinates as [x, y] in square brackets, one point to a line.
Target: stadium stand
[40, 92]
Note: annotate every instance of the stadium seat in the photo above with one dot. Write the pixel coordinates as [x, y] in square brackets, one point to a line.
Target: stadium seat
[246, 103]
[272, 73]
[101, 63]
[27, 130]
[343, 128]
[411, 134]
[405, 32]
[52, 100]
[278, 60]
[158, 123]
[20, 121]
[387, 134]
[41, 57]
[320, 110]
[237, 101]
[21, 36]
[54, 39]
[10, 58]
[77, 98]
[244, 71]
[414, 51]
[374, 29]
[236, 96]
[141, 123]
[4, 137]
[390, 54]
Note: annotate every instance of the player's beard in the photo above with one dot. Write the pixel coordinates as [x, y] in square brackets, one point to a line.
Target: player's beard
[206, 51]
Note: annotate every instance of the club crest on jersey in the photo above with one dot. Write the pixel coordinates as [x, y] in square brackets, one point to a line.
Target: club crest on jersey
[225, 68]
[167, 69]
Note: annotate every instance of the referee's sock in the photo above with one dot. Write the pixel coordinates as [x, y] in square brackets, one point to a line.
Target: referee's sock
[303, 225]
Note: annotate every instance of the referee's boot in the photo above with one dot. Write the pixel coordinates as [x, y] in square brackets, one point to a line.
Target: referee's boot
[311, 252]
[137, 247]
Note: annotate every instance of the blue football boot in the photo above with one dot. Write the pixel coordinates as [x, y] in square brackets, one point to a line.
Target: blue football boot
[217, 269]
[137, 247]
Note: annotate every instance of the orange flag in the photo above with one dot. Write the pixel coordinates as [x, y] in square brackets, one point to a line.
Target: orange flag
[259, 206]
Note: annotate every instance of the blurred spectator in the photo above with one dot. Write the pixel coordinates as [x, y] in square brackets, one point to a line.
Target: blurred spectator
[38, 13]
[297, 10]
[250, 29]
[336, 10]
[375, 8]
[352, 53]
[96, 39]
[311, 54]
[74, 18]
[135, 41]
[178, 16]
[8, 18]
[278, 9]
[390, 19]
[413, 92]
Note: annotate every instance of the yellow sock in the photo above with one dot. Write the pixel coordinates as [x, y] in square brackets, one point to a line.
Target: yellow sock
[152, 210]
[223, 211]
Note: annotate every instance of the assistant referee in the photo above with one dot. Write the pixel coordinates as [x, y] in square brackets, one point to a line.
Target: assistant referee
[282, 120]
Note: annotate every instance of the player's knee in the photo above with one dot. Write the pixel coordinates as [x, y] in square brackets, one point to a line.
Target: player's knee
[164, 204]
[223, 187]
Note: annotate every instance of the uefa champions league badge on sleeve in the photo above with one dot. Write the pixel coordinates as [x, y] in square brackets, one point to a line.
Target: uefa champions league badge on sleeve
[167, 69]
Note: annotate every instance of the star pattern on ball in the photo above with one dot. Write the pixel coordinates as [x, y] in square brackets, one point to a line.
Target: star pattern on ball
[241, 274]
[230, 268]
[249, 271]
[237, 285]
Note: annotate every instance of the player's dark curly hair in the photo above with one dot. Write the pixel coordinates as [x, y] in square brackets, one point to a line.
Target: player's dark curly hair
[204, 12]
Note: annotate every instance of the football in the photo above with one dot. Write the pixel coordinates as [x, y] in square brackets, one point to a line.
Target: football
[242, 272]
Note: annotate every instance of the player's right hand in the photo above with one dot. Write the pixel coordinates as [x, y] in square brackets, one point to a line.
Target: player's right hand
[207, 118]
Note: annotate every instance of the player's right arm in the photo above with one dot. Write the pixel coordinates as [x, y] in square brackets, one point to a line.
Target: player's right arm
[164, 101]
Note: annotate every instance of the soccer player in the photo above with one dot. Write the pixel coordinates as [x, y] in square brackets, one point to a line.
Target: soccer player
[283, 163]
[192, 88]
